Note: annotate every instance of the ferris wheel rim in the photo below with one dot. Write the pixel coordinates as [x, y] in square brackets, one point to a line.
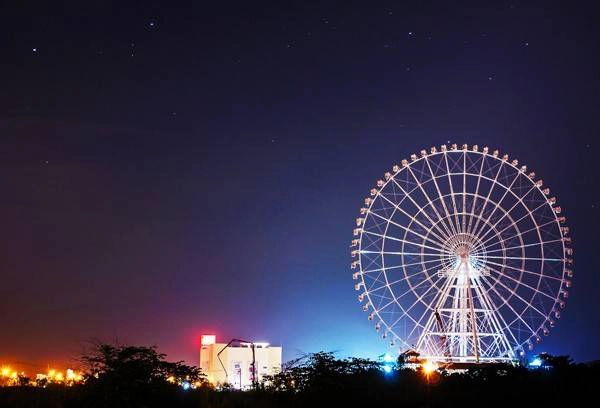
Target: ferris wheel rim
[444, 230]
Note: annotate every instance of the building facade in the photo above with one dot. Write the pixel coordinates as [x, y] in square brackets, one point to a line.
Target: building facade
[232, 363]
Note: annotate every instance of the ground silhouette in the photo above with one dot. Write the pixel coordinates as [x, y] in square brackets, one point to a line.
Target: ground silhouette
[137, 376]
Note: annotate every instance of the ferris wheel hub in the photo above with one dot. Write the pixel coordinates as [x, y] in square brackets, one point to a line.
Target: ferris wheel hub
[463, 247]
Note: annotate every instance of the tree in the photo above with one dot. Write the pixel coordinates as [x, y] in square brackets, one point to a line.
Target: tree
[134, 375]
[23, 380]
[555, 362]
[321, 371]
[136, 364]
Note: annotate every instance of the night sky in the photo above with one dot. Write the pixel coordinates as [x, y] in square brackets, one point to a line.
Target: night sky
[176, 168]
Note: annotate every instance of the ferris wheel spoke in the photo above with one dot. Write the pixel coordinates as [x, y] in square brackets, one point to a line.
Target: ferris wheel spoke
[418, 299]
[447, 233]
[418, 285]
[422, 211]
[401, 240]
[408, 277]
[457, 224]
[441, 297]
[394, 299]
[525, 285]
[519, 201]
[507, 304]
[464, 194]
[497, 204]
[389, 220]
[541, 243]
[424, 237]
[405, 278]
[524, 258]
[541, 275]
[525, 302]
[400, 266]
[441, 197]
[520, 233]
[479, 177]
[418, 323]
[370, 281]
[496, 311]
[400, 253]
[487, 198]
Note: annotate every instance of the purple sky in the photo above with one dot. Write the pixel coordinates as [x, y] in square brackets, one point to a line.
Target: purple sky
[169, 171]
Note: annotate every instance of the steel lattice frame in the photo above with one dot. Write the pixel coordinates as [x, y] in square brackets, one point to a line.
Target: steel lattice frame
[462, 255]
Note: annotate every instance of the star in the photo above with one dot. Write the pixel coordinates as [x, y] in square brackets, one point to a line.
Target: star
[34, 50]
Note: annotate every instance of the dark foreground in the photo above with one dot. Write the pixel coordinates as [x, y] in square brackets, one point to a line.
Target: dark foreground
[321, 380]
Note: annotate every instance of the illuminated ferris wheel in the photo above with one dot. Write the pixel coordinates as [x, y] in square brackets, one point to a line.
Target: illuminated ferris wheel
[462, 255]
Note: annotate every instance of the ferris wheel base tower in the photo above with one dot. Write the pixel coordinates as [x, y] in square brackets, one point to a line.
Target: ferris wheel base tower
[464, 326]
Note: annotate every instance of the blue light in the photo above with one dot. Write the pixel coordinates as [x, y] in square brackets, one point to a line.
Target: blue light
[387, 358]
[387, 363]
[185, 385]
[536, 362]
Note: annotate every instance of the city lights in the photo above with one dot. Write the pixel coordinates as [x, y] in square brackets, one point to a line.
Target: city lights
[69, 377]
[429, 367]
[10, 377]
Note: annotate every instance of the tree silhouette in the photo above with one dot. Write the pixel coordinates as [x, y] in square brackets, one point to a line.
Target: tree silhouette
[134, 375]
[557, 362]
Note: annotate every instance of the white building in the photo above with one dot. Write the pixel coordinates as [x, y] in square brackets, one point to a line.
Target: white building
[233, 364]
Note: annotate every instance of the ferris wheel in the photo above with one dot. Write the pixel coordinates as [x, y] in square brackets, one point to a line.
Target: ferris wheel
[462, 255]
